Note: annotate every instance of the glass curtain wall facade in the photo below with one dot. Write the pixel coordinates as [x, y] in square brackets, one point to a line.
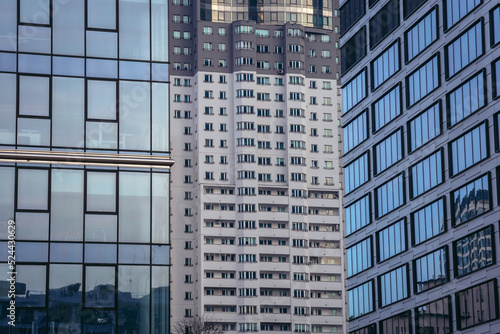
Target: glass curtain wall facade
[85, 165]
[421, 160]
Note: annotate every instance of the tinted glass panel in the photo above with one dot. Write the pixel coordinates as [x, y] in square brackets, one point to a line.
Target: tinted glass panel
[356, 131]
[393, 286]
[101, 99]
[474, 252]
[357, 215]
[32, 226]
[7, 108]
[134, 211]
[389, 151]
[32, 189]
[101, 191]
[100, 286]
[431, 270]
[359, 257]
[495, 25]
[426, 174]
[389, 196]
[357, 173]
[425, 127]
[421, 35]
[101, 14]
[456, 10]
[429, 221]
[33, 131]
[400, 323]
[384, 22]
[350, 12]
[482, 300]
[32, 279]
[387, 108]
[465, 49]
[468, 149]
[434, 317]
[468, 98]
[495, 69]
[133, 299]
[354, 91]
[410, 5]
[37, 12]
[391, 240]
[160, 296]
[34, 96]
[422, 81]
[385, 65]
[353, 50]
[360, 300]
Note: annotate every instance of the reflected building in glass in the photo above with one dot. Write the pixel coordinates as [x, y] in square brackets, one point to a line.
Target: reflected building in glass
[421, 161]
[85, 165]
[256, 213]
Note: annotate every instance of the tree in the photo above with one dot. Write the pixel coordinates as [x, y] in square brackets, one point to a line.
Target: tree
[198, 325]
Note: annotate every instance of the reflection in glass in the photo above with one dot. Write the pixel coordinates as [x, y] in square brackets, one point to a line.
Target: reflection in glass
[102, 44]
[134, 36]
[133, 298]
[30, 285]
[29, 321]
[32, 251]
[134, 70]
[134, 115]
[37, 12]
[32, 189]
[65, 297]
[34, 39]
[7, 108]
[160, 254]
[69, 28]
[160, 206]
[7, 184]
[431, 270]
[68, 112]
[434, 317]
[102, 135]
[67, 205]
[99, 286]
[101, 99]
[33, 131]
[102, 68]
[68, 66]
[100, 253]
[100, 228]
[101, 14]
[99, 321]
[134, 212]
[65, 252]
[160, 298]
[101, 191]
[34, 63]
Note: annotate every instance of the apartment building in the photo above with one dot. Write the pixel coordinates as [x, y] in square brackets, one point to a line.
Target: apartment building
[256, 203]
[421, 164]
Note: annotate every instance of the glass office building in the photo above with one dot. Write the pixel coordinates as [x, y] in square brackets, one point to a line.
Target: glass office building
[421, 161]
[85, 165]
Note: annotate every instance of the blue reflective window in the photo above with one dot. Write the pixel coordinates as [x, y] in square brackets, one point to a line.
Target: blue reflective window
[387, 108]
[359, 257]
[356, 131]
[350, 12]
[422, 34]
[393, 286]
[495, 75]
[454, 10]
[495, 25]
[422, 81]
[354, 91]
[469, 149]
[357, 215]
[497, 131]
[428, 221]
[385, 21]
[466, 99]
[426, 174]
[474, 252]
[430, 270]
[388, 151]
[464, 49]
[471, 200]
[389, 196]
[391, 240]
[385, 65]
[424, 127]
[360, 300]
[357, 173]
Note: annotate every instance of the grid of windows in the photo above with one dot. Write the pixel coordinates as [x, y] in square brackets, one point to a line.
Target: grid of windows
[477, 304]
[382, 23]
[357, 173]
[434, 317]
[356, 131]
[423, 81]
[474, 252]
[354, 91]
[428, 221]
[424, 127]
[388, 151]
[421, 35]
[469, 149]
[387, 108]
[464, 49]
[393, 286]
[426, 174]
[430, 270]
[357, 215]
[391, 240]
[466, 99]
[389, 196]
[455, 11]
[361, 300]
[359, 257]
[385, 65]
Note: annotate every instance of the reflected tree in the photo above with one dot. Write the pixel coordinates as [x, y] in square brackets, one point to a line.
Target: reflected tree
[198, 325]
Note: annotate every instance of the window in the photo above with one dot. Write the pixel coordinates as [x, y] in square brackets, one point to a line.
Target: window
[464, 49]
[222, 31]
[353, 50]
[495, 75]
[359, 257]
[391, 240]
[421, 35]
[400, 323]
[393, 286]
[372, 329]
[356, 131]
[360, 300]
[423, 81]
[382, 23]
[387, 108]
[385, 65]
[388, 151]
[477, 304]
[357, 173]
[424, 127]
[430, 270]
[471, 200]
[495, 25]
[357, 215]
[469, 149]
[389, 196]
[350, 12]
[354, 91]
[426, 174]
[409, 6]
[435, 316]
[428, 221]
[207, 30]
[467, 98]
[454, 12]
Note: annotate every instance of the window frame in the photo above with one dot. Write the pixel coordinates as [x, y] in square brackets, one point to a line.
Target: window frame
[445, 299]
[434, 8]
[494, 297]
[403, 221]
[365, 87]
[446, 27]
[403, 192]
[412, 221]
[492, 28]
[408, 126]
[407, 86]
[374, 18]
[493, 253]
[367, 197]
[385, 94]
[410, 173]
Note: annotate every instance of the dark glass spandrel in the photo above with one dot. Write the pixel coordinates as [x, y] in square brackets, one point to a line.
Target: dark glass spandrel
[101, 14]
[100, 286]
[65, 297]
[435, 316]
[8, 108]
[383, 22]
[160, 299]
[30, 285]
[133, 298]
